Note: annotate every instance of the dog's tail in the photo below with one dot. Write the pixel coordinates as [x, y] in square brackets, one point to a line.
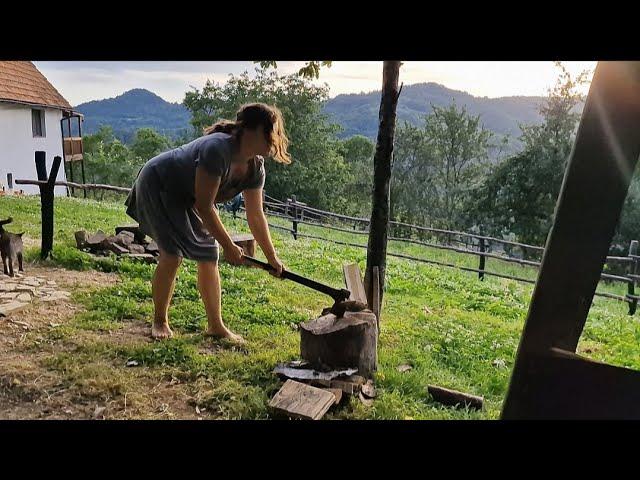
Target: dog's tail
[8, 220]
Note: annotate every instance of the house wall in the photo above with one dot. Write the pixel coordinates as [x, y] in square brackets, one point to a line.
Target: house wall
[18, 145]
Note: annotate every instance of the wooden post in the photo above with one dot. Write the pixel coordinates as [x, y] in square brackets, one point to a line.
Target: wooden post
[46, 200]
[380, 204]
[482, 260]
[84, 180]
[295, 217]
[10, 181]
[549, 381]
[633, 268]
[375, 297]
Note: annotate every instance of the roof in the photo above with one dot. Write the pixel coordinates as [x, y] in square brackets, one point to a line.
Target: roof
[22, 82]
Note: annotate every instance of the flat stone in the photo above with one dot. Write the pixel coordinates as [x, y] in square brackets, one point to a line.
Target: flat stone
[8, 295]
[11, 307]
[23, 297]
[26, 288]
[51, 282]
[7, 287]
[55, 296]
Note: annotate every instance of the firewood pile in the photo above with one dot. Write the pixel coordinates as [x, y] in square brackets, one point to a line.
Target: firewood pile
[128, 242]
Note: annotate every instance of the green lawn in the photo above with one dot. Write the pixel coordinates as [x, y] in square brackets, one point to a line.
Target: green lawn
[455, 330]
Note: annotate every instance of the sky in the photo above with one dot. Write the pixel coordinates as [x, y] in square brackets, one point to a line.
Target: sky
[80, 82]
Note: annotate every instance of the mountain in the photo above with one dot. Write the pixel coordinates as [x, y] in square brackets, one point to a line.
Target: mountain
[132, 110]
[356, 113]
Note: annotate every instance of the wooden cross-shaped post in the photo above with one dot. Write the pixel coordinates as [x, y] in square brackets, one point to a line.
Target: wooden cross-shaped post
[46, 200]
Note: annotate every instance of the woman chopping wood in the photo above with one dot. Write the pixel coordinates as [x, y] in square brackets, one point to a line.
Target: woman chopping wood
[173, 200]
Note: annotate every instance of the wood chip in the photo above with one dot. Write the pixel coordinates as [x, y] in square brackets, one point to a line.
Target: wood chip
[368, 389]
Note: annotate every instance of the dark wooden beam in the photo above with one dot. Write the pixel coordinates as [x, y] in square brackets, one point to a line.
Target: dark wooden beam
[594, 188]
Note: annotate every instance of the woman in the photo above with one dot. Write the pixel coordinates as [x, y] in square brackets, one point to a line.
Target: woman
[174, 196]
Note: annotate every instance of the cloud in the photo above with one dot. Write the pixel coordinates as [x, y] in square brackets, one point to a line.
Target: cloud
[84, 81]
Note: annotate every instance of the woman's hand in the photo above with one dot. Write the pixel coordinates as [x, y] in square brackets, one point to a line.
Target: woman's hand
[277, 265]
[233, 254]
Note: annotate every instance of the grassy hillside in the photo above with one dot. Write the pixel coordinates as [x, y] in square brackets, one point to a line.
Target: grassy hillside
[454, 330]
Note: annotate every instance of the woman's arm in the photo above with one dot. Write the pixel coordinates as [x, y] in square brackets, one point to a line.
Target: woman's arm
[259, 226]
[206, 189]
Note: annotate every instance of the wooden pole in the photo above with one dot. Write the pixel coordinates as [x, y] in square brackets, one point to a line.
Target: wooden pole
[379, 223]
[46, 200]
[633, 267]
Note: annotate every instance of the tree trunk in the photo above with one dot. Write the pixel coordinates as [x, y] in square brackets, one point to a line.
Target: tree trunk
[378, 230]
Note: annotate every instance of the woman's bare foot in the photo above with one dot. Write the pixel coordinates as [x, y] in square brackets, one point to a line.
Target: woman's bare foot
[161, 330]
[224, 332]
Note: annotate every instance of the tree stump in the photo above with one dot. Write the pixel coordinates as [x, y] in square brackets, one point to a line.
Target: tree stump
[334, 343]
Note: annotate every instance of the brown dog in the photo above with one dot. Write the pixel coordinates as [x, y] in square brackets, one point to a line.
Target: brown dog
[10, 248]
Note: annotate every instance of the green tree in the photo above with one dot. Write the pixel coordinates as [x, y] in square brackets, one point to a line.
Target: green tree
[148, 143]
[311, 69]
[459, 144]
[412, 179]
[520, 195]
[357, 152]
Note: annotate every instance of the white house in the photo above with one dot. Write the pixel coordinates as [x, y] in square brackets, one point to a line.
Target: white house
[31, 110]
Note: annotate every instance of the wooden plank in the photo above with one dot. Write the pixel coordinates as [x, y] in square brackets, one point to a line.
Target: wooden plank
[336, 392]
[594, 188]
[562, 385]
[353, 281]
[302, 401]
[455, 398]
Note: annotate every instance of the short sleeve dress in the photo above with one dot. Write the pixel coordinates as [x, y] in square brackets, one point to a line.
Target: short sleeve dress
[163, 195]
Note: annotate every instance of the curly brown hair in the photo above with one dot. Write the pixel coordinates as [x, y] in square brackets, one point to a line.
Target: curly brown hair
[254, 115]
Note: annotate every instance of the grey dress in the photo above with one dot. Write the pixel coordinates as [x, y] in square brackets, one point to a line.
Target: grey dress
[163, 195]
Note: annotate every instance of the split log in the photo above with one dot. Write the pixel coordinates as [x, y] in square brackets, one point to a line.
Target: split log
[246, 241]
[81, 239]
[135, 229]
[111, 244]
[339, 343]
[135, 248]
[152, 247]
[125, 238]
[298, 400]
[455, 398]
[94, 241]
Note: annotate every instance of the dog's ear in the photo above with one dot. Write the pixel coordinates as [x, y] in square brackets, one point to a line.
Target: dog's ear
[20, 234]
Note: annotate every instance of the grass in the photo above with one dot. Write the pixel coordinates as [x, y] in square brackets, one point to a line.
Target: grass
[454, 330]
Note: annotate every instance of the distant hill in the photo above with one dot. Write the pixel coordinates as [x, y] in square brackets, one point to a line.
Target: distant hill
[356, 113]
[132, 110]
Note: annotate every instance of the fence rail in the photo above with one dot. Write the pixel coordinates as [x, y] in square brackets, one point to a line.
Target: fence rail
[295, 212]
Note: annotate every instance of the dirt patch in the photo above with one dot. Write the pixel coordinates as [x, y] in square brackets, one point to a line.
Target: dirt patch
[48, 370]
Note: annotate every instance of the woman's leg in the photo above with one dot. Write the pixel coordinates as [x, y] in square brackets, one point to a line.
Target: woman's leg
[210, 291]
[164, 281]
